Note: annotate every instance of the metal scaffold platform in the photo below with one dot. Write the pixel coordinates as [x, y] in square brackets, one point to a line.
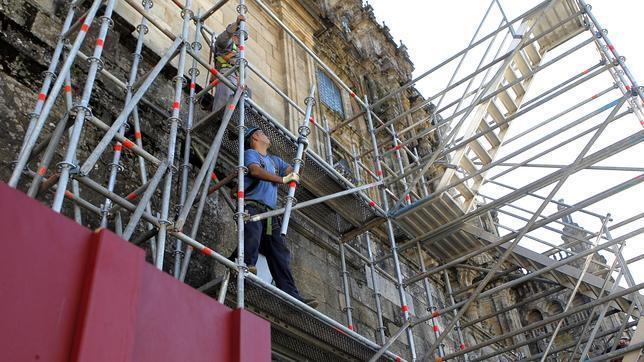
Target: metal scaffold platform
[431, 212]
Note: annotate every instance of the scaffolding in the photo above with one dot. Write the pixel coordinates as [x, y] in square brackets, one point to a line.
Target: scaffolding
[420, 206]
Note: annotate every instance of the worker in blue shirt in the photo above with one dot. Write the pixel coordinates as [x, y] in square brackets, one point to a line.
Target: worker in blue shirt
[265, 173]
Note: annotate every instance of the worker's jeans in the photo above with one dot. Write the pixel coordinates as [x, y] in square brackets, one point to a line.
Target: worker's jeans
[273, 247]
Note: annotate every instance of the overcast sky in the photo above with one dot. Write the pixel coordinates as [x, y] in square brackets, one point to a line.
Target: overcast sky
[435, 30]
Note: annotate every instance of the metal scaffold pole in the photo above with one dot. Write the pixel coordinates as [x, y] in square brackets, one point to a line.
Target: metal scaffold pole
[298, 161]
[392, 240]
[242, 268]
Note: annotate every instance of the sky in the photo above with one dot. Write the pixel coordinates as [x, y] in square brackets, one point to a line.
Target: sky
[435, 30]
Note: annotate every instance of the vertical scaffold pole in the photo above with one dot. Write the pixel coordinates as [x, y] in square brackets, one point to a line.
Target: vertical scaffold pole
[82, 108]
[392, 238]
[49, 73]
[372, 265]
[174, 120]
[241, 265]
[574, 291]
[376, 290]
[185, 167]
[345, 286]
[620, 60]
[431, 307]
[302, 143]
[30, 139]
[459, 332]
[137, 56]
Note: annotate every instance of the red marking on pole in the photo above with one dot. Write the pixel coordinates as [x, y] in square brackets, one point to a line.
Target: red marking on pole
[435, 328]
[193, 86]
[435, 314]
[595, 96]
[292, 184]
[84, 27]
[128, 144]
[68, 88]
[396, 147]
[398, 359]
[312, 120]
[214, 82]
[242, 48]
[131, 196]
[462, 346]
[408, 197]
[118, 147]
[176, 105]
[240, 194]
[213, 177]
[405, 308]
[379, 172]
[350, 326]
[214, 71]
[42, 170]
[628, 88]
[372, 203]
[207, 251]
[586, 71]
[69, 195]
[99, 42]
[611, 47]
[231, 107]
[341, 331]
[352, 94]
[137, 135]
[42, 97]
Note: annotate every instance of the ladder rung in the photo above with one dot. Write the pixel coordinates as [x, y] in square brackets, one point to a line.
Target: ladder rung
[490, 136]
[522, 63]
[480, 151]
[510, 77]
[533, 55]
[507, 102]
[495, 113]
[463, 189]
[469, 167]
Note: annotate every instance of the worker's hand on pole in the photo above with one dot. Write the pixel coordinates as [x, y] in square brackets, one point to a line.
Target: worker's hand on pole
[291, 177]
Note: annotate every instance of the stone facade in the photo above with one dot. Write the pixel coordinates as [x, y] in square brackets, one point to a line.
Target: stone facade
[346, 35]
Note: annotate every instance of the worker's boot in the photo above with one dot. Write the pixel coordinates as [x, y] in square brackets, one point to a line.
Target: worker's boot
[311, 302]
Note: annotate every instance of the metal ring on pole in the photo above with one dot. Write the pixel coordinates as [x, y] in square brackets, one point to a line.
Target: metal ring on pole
[145, 30]
[79, 107]
[145, 4]
[116, 165]
[185, 11]
[62, 164]
[242, 7]
[166, 222]
[96, 60]
[168, 123]
[108, 20]
[196, 46]
[194, 71]
[48, 73]
[180, 78]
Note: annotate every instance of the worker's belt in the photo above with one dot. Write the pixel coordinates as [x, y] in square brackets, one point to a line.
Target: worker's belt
[261, 208]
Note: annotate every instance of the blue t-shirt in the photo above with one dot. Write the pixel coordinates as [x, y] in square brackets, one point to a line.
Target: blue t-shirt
[266, 191]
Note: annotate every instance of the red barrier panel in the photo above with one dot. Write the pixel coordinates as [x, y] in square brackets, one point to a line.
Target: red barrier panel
[67, 293]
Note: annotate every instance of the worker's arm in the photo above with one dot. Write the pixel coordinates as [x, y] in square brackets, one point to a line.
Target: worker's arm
[256, 171]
